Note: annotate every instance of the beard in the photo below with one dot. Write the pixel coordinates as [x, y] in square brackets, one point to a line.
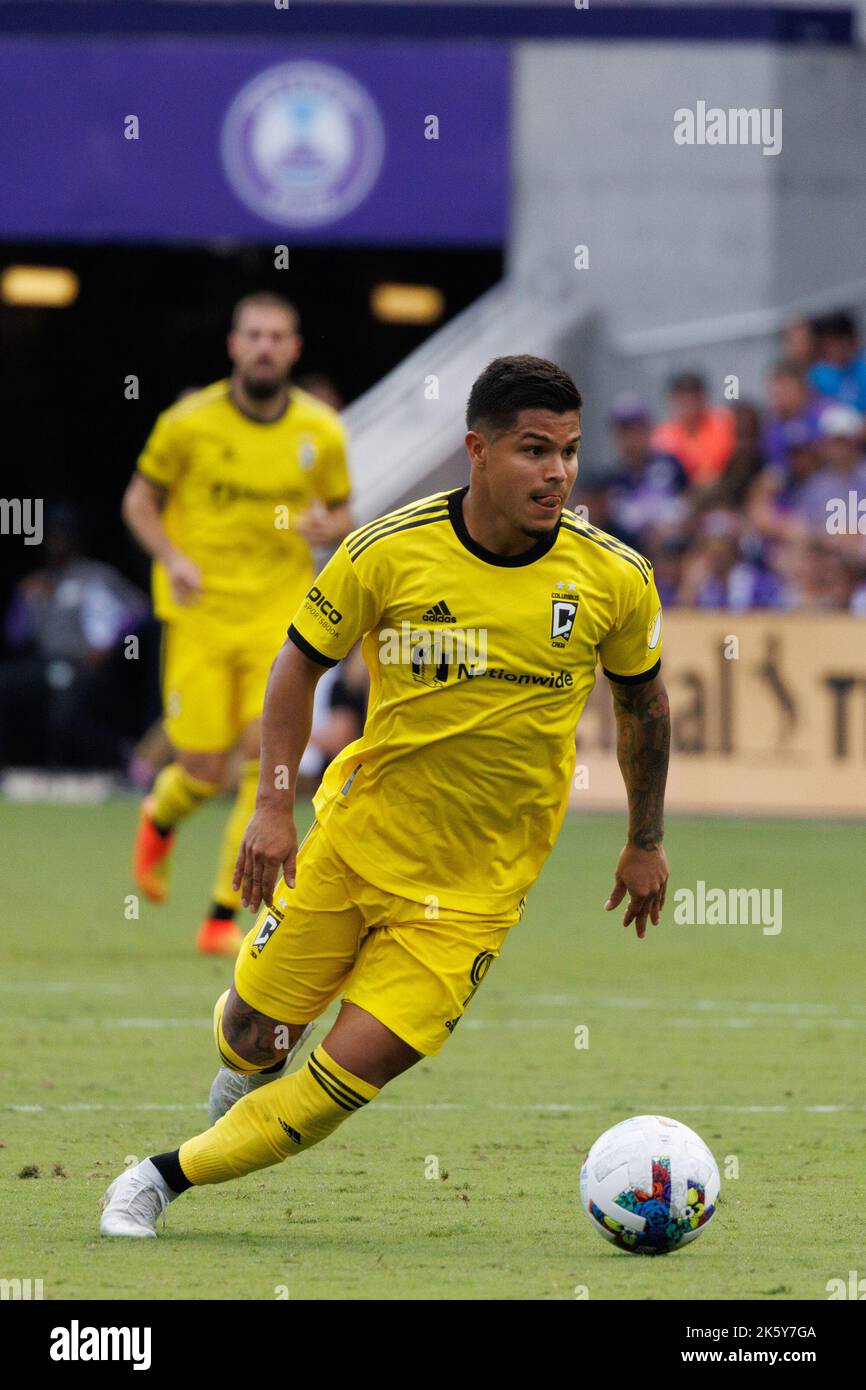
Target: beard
[264, 388]
[539, 533]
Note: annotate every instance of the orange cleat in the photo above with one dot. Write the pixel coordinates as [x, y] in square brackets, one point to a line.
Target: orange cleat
[151, 856]
[217, 937]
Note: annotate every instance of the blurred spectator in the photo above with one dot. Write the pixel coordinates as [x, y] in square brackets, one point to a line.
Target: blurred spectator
[593, 500]
[840, 371]
[842, 466]
[645, 491]
[60, 703]
[816, 576]
[799, 345]
[774, 502]
[716, 575]
[701, 436]
[747, 460]
[668, 565]
[790, 401]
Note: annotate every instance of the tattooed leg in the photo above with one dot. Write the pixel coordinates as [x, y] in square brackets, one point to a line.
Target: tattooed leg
[253, 1035]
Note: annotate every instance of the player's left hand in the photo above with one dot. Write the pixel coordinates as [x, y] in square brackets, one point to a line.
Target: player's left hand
[269, 846]
[316, 524]
[643, 874]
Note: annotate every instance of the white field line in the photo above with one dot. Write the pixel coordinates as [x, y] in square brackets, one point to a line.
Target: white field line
[204, 1024]
[90, 987]
[703, 1109]
[630, 1003]
[784, 1007]
[682, 1021]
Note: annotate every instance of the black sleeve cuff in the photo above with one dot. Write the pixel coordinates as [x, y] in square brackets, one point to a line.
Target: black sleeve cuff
[309, 650]
[634, 680]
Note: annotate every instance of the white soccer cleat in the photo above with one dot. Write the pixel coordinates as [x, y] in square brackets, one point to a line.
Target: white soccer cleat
[228, 1087]
[134, 1202]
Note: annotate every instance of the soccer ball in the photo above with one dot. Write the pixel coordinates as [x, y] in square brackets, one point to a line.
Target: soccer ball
[649, 1185]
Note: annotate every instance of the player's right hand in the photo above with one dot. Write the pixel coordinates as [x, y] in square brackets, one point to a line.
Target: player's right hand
[270, 844]
[643, 874]
[185, 578]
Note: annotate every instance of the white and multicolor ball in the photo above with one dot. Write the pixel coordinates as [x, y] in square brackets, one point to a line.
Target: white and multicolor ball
[650, 1185]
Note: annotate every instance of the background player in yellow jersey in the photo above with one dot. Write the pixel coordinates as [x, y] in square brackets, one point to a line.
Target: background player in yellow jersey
[432, 827]
[235, 484]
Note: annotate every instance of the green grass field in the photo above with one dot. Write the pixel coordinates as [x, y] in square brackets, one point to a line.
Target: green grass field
[754, 1040]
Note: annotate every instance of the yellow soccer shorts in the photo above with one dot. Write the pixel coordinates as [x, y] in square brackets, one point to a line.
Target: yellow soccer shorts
[211, 690]
[411, 967]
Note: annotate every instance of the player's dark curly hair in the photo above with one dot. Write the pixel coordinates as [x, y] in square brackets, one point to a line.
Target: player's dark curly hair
[511, 384]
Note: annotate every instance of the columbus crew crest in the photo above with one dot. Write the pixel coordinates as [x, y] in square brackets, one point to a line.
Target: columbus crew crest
[565, 600]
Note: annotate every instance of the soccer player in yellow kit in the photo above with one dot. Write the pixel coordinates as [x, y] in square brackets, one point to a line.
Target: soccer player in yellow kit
[484, 612]
[235, 484]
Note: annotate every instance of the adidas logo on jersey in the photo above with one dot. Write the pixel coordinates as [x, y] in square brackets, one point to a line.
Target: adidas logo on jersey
[439, 613]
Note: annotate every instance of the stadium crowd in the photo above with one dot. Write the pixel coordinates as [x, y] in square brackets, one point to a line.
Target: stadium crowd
[752, 505]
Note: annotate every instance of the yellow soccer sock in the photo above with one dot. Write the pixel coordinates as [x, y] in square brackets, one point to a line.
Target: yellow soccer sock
[241, 815]
[176, 795]
[276, 1121]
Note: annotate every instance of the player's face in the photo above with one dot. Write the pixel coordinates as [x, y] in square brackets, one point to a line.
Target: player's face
[530, 469]
[263, 348]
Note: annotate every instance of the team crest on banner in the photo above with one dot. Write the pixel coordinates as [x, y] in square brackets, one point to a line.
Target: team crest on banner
[302, 144]
[565, 601]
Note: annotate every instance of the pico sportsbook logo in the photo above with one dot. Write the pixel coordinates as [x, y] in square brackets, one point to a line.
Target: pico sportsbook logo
[317, 600]
[302, 144]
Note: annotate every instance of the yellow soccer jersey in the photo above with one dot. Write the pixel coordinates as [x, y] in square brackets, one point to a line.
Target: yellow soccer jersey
[235, 488]
[480, 666]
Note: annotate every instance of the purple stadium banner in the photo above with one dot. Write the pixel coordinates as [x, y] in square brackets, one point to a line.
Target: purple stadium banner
[299, 143]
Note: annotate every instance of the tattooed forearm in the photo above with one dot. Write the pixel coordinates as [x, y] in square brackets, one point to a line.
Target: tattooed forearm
[643, 736]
